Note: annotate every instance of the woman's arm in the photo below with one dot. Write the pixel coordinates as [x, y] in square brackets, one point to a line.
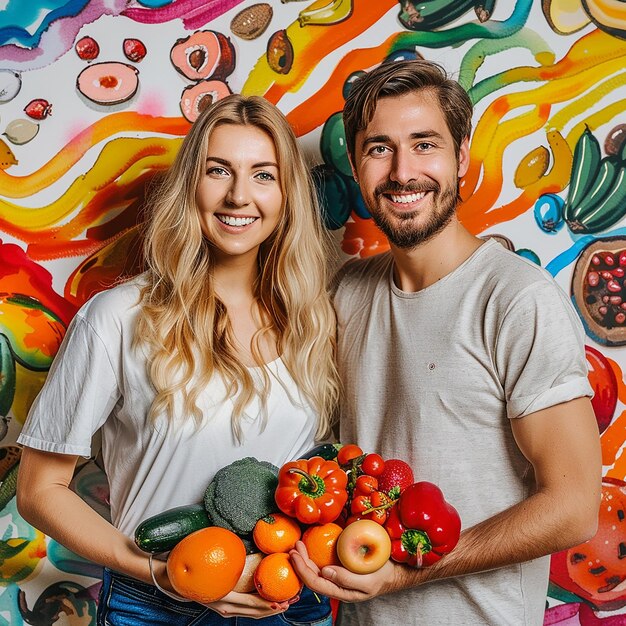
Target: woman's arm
[45, 500]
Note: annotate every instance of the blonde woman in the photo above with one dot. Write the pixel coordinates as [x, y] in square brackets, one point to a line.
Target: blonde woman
[222, 349]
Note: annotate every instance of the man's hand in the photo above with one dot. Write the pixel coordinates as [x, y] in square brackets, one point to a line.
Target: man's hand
[340, 583]
[248, 605]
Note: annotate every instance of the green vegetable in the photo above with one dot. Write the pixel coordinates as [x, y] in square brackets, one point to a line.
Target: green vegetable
[328, 451]
[160, 533]
[241, 493]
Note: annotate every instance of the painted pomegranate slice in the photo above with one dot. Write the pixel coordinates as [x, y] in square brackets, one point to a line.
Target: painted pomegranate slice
[599, 290]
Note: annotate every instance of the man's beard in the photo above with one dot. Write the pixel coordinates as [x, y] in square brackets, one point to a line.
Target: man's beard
[407, 235]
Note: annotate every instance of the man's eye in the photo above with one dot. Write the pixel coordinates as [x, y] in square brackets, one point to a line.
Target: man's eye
[379, 150]
[424, 145]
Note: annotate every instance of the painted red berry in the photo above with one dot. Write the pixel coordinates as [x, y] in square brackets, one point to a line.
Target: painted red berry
[134, 50]
[38, 109]
[87, 48]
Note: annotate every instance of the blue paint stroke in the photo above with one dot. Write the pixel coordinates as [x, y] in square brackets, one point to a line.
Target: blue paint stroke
[153, 4]
[18, 15]
[570, 255]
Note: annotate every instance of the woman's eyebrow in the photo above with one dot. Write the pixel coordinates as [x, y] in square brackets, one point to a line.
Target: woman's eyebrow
[254, 165]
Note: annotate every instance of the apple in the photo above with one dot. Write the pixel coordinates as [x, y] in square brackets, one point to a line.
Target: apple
[363, 546]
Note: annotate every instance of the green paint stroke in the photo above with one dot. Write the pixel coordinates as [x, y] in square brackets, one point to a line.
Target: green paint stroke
[476, 55]
[461, 34]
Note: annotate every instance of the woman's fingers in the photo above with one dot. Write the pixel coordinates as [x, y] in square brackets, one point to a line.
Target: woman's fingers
[247, 605]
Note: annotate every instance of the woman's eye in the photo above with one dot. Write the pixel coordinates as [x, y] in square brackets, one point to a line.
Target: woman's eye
[265, 176]
[217, 171]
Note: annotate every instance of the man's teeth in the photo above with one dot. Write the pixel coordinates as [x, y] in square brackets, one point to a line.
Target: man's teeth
[235, 221]
[414, 197]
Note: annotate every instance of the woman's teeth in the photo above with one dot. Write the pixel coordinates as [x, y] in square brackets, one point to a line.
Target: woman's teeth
[235, 221]
[406, 199]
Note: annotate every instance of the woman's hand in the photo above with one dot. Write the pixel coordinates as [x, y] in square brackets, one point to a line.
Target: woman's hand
[340, 583]
[249, 605]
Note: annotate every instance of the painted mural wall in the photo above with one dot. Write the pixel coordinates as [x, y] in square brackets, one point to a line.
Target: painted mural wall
[95, 96]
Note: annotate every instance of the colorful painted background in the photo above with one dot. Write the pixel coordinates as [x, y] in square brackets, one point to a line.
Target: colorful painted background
[95, 96]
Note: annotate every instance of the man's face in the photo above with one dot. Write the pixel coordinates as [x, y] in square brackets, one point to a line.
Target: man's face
[408, 170]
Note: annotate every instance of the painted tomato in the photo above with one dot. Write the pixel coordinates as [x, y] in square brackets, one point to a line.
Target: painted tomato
[604, 383]
[596, 570]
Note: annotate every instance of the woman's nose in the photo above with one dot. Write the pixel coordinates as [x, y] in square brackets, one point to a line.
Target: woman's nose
[239, 192]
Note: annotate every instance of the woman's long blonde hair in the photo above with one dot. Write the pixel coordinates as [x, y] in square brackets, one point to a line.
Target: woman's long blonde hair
[183, 323]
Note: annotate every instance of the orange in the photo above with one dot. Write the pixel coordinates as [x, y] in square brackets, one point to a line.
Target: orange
[206, 564]
[275, 579]
[276, 533]
[321, 543]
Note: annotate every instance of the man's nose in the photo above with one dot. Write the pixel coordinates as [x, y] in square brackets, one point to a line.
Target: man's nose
[402, 168]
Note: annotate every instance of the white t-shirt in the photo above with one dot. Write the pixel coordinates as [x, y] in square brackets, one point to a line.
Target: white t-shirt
[433, 378]
[98, 381]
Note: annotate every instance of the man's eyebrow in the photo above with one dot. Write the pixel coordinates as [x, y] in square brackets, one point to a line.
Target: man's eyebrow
[215, 159]
[424, 134]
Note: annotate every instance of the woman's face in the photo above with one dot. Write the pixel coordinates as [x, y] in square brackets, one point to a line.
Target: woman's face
[239, 197]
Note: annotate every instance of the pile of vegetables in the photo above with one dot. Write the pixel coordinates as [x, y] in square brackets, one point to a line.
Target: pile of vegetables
[332, 484]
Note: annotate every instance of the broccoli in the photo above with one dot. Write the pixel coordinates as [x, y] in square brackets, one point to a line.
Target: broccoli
[242, 493]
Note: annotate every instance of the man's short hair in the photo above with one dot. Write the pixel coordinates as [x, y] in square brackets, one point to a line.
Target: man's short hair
[398, 78]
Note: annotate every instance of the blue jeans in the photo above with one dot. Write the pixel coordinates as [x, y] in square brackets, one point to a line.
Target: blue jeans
[125, 601]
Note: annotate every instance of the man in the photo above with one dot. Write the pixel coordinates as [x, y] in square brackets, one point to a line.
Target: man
[462, 359]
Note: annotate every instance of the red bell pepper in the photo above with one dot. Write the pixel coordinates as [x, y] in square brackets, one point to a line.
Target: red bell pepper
[422, 526]
[313, 490]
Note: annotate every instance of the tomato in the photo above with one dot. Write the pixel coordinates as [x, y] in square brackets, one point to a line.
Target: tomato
[360, 504]
[373, 464]
[347, 453]
[365, 485]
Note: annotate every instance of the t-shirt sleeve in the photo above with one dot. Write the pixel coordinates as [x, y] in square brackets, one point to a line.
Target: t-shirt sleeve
[540, 354]
[78, 396]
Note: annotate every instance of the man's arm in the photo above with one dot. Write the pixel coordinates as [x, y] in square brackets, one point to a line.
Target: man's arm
[563, 446]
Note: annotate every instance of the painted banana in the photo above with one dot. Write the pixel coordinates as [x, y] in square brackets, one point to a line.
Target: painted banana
[332, 13]
[585, 166]
[608, 15]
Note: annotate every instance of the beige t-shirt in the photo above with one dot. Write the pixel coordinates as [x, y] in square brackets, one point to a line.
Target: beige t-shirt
[98, 381]
[433, 378]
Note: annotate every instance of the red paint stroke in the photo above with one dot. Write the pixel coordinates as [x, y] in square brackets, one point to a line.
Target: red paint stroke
[194, 13]
[329, 98]
[19, 274]
[363, 237]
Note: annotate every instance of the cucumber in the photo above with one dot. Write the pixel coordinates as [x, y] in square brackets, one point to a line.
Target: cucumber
[328, 451]
[160, 533]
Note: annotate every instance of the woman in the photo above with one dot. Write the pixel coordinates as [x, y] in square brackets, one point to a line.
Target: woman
[222, 349]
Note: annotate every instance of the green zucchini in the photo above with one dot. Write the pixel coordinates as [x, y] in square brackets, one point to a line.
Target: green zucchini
[328, 451]
[160, 533]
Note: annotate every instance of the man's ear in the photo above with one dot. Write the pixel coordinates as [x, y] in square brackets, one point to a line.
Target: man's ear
[464, 157]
